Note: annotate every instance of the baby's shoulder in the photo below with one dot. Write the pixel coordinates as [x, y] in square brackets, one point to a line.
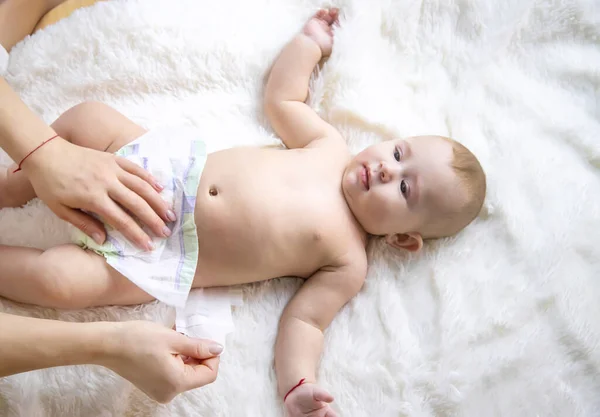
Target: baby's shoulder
[350, 252]
[350, 271]
[331, 147]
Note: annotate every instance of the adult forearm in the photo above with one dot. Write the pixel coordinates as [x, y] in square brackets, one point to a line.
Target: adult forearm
[19, 17]
[21, 130]
[28, 343]
[297, 352]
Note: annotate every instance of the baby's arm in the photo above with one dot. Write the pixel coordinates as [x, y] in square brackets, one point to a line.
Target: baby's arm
[287, 88]
[300, 339]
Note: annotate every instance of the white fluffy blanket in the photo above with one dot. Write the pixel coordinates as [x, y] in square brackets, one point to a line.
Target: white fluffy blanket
[503, 320]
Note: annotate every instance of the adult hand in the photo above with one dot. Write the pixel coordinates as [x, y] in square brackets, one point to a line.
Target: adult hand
[69, 178]
[159, 361]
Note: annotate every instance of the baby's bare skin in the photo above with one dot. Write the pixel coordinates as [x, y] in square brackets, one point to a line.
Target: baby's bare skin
[267, 213]
[263, 213]
[260, 213]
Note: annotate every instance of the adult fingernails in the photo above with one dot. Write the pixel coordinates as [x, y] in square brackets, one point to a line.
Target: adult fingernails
[97, 238]
[149, 246]
[215, 349]
[171, 216]
[166, 231]
[158, 186]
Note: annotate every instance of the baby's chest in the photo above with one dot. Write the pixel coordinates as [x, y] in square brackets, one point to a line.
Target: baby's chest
[324, 228]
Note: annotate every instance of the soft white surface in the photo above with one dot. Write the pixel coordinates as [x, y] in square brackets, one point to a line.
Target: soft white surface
[504, 320]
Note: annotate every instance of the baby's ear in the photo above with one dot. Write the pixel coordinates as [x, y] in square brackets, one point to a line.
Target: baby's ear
[412, 242]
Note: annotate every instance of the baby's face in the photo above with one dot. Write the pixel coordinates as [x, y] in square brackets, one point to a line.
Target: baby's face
[396, 186]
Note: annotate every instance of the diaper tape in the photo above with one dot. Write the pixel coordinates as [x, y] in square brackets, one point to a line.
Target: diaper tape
[208, 313]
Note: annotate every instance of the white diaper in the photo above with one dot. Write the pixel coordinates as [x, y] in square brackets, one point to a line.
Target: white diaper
[176, 158]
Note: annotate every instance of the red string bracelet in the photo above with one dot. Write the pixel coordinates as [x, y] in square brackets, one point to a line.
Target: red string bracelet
[29, 154]
[294, 387]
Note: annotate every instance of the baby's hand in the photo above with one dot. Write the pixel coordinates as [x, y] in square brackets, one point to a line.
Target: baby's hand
[308, 400]
[319, 29]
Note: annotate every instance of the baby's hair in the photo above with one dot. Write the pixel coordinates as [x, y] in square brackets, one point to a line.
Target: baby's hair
[472, 177]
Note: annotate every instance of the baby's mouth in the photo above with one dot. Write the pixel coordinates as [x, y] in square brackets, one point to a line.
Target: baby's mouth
[365, 177]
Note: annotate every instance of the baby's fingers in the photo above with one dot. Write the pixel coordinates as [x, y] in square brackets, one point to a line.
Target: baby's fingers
[334, 14]
[330, 413]
[322, 14]
[328, 16]
[320, 394]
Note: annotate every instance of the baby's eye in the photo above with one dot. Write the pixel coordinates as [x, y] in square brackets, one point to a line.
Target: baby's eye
[397, 154]
[403, 187]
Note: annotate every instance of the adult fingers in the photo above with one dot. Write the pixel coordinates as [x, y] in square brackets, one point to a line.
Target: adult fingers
[212, 363]
[139, 208]
[115, 216]
[197, 348]
[203, 374]
[145, 185]
[138, 171]
[84, 222]
[149, 194]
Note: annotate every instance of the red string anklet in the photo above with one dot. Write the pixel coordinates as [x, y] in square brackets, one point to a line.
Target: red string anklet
[294, 387]
[29, 154]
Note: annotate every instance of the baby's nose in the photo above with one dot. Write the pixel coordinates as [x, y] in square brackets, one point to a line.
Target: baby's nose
[385, 173]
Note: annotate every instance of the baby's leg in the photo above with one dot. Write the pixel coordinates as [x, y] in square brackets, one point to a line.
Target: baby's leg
[65, 276]
[90, 125]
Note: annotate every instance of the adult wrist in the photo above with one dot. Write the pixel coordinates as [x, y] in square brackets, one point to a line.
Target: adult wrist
[40, 154]
[21, 130]
[101, 343]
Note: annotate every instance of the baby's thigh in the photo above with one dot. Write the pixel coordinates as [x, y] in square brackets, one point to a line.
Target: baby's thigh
[112, 287]
[71, 277]
[82, 279]
[97, 126]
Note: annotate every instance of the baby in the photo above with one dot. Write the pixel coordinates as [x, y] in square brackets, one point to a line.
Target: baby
[251, 214]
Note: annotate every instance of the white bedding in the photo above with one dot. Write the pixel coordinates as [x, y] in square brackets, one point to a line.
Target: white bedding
[503, 320]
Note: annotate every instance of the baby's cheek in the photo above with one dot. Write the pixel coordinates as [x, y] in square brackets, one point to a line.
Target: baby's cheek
[381, 208]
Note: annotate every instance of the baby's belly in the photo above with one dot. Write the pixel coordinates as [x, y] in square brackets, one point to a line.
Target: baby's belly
[212, 272]
[249, 231]
[230, 252]
[263, 214]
